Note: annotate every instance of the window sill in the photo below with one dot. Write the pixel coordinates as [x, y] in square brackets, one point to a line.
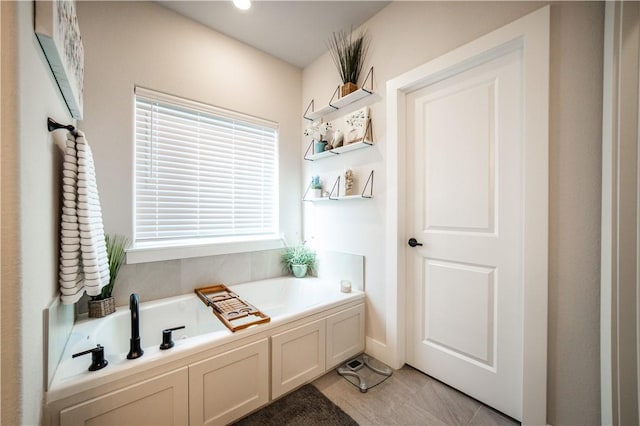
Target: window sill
[184, 249]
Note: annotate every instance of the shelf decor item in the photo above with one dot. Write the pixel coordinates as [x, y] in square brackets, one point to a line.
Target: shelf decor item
[299, 260]
[348, 53]
[318, 131]
[357, 123]
[337, 102]
[348, 182]
[338, 138]
[316, 186]
[319, 146]
[57, 30]
[104, 304]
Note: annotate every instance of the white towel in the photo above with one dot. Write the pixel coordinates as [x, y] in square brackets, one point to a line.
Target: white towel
[84, 265]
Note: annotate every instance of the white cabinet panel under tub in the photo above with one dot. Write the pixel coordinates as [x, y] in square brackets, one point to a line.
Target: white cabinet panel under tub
[230, 385]
[159, 401]
[298, 356]
[345, 335]
[306, 352]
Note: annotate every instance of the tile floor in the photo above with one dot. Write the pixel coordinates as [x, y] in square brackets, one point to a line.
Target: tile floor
[408, 397]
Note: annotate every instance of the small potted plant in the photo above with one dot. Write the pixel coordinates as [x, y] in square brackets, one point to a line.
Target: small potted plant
[104, 304]
[348, 54]
[316, 186]
[299, 260]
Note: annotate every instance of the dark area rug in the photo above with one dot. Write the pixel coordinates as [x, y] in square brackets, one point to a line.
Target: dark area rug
[307, 406]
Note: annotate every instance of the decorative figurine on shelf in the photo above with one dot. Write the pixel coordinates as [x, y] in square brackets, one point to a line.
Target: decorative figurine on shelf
[316, 187]
[348, 182]
[318, 131]
[337, 138]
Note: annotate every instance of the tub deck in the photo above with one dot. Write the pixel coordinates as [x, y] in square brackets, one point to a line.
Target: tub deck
[285, 300]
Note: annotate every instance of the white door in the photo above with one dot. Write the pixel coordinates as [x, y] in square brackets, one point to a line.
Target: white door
[465, 206]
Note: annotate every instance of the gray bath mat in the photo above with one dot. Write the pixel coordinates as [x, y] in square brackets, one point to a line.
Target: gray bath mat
[307, 406]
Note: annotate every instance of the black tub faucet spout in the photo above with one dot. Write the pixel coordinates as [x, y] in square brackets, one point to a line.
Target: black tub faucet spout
[135, 351]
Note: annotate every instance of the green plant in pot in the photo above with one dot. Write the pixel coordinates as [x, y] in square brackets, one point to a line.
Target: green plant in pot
[104, 304]
[316, 186]
[348, 54]
[299, 260]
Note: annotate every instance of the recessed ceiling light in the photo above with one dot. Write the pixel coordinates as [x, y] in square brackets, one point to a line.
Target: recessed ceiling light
[242, 4]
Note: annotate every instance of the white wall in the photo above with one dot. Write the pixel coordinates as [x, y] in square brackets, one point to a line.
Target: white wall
[182, 58]
[575, 152]
[144, 44]
[407, 34]
[30, 213]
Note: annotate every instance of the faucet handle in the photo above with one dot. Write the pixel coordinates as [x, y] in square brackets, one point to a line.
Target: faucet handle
[167, 341]
[97, 357]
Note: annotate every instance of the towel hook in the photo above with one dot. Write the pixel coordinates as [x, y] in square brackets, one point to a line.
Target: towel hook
[54, 125]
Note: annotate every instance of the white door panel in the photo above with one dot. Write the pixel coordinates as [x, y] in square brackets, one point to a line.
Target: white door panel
[459, 310]
[464, 151]
[468, 147]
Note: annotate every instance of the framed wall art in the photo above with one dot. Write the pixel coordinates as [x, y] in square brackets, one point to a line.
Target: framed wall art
[58, 32]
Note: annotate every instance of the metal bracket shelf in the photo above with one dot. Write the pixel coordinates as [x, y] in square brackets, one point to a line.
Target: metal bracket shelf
[336, 104]
[365, 143]
[334, 195]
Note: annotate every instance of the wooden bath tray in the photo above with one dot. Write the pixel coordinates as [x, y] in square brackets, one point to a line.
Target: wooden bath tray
[234, 312]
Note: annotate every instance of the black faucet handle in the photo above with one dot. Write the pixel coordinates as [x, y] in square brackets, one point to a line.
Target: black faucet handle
[167, 340]
[97, 357]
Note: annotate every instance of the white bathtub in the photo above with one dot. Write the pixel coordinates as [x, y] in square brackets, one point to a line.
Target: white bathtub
[284, 299]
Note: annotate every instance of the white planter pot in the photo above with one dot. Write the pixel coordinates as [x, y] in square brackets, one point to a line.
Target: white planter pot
[299, 271]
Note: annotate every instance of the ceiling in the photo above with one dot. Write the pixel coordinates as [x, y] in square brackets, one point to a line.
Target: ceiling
[294, 31]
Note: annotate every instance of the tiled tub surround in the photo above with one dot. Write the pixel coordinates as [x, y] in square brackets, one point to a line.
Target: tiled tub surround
[157, 280]
[214, 374]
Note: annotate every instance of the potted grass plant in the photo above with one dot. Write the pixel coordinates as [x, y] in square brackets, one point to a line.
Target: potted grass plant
[348, 54]
[299, 260]
[104, 304]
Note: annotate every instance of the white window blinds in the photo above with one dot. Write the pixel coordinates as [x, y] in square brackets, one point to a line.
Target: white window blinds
[202, 172]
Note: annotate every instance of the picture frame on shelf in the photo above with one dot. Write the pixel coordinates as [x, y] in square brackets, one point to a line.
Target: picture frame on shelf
[57, 30]
[355, 126]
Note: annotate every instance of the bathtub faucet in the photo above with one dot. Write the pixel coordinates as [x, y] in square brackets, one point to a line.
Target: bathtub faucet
[135, 351]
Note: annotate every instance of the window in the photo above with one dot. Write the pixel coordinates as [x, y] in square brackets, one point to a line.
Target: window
[202, 172]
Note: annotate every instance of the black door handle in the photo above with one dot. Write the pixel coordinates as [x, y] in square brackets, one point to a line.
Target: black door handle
[413, 242]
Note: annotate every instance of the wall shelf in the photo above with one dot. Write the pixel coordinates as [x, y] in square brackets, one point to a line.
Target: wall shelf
[335, 104]
[365, 143]
[337, 151]
[341, 198]
[334, 195]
